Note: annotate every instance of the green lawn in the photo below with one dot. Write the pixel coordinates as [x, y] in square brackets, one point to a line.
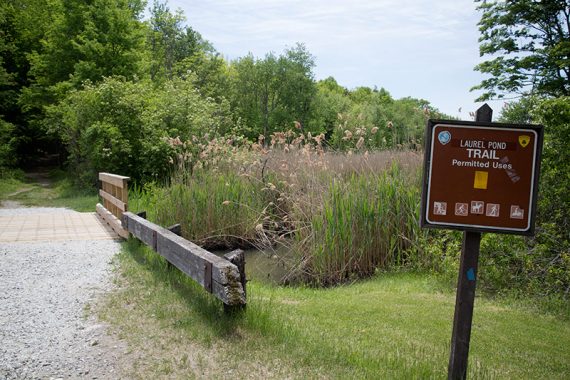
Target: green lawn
[59, 191]
[395, 325]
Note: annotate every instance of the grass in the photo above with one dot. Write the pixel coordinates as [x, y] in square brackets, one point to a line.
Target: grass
[56, 190]
[365, 222]
[394, 325]
[225, 208]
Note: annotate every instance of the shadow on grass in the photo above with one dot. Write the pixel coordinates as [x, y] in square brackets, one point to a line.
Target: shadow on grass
[288, 334]
[206, 306]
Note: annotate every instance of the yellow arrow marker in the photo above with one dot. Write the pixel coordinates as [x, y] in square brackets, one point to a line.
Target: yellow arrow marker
[480, 180]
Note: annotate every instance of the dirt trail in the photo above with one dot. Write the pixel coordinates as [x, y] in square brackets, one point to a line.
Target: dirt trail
[40, 176]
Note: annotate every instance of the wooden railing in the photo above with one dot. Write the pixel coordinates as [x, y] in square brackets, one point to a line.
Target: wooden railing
[224, 277]
[114, 194]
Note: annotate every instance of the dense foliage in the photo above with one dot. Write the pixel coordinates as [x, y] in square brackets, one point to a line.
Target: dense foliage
[123, 126]
[100, 86]
[529, 45]
[530, 49]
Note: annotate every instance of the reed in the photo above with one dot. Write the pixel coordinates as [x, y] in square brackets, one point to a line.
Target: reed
[345, 215]
[365, 223]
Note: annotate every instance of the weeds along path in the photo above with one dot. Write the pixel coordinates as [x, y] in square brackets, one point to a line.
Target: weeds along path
[47, 287]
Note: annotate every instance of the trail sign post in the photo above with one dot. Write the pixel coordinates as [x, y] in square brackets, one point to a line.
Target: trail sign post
[478, 177]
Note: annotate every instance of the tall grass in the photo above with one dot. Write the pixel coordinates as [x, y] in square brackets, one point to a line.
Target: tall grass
[365, 222]
[344, 215]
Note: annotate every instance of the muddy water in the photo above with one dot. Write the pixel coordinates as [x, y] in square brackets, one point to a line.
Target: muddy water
[269, 265]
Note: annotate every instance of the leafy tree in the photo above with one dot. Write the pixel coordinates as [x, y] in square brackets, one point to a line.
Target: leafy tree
[299, 88]
[168, 41]
[23, 24]
[555, 176]
[121, 126]
[330, 100]
[210, 73]
[529, 42]
[80, 41]
[8, 88]
[519, 112]
[86, 41]
[271, 93]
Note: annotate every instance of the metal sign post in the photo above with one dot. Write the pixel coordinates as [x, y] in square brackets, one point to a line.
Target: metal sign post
[478, 177]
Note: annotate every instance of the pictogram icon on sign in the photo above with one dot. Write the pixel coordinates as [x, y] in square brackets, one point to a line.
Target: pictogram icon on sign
[516, 212]
[461, 209]
[477, 207]
[439, 208]
[492, 210]
[444, 137]
[524, 140]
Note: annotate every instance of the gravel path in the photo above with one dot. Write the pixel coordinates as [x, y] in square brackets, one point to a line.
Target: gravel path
[45, 290]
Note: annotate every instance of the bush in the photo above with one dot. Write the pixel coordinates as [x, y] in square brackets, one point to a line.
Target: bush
[123, 127]
[7, 148]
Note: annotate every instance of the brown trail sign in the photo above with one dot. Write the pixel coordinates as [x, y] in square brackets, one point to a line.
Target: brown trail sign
[478, 177]
[481, 176]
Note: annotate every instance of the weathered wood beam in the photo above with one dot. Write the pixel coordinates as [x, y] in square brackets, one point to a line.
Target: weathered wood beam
[208, 270]
[116, 180]
[120, 205]
[112, 221]
[237, 257]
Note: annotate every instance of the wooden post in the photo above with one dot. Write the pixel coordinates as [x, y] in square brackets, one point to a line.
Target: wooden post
[237, 258]
[464, 302]
[114, 196]
[466, 284]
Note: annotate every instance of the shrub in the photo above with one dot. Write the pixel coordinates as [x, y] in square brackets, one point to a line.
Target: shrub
[123, 127]
[7, 149]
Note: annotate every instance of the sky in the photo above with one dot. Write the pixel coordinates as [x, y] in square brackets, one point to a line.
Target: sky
[420, 48]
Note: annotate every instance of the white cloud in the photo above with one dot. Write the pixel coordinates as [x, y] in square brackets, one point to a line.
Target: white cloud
[418, 48]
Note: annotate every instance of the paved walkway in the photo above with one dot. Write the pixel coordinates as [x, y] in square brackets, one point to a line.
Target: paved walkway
[53, 226]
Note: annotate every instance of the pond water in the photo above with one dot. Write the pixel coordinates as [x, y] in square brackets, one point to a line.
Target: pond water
[269, 265]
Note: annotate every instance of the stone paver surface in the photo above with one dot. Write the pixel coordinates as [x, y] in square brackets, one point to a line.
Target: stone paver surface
[65, 225]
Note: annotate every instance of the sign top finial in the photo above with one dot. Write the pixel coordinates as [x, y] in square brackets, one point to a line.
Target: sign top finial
[484, 113]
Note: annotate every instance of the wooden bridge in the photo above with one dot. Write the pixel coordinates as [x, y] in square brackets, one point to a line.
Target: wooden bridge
[39, 224]
[224, 277]
[53, 226]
